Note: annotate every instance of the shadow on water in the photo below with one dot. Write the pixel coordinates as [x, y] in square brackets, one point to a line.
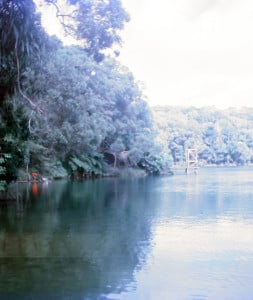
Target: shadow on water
[75, 240]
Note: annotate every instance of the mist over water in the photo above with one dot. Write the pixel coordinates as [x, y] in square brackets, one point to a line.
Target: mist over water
[179, 237]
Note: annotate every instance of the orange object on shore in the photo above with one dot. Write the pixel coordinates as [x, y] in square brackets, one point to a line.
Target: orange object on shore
[34, 174]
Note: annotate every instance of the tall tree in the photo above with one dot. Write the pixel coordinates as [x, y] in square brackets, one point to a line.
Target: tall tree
[21, 37]
[21, 42]
[95, 23]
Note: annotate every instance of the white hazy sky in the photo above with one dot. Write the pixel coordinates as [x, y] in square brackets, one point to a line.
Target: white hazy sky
[191, 52]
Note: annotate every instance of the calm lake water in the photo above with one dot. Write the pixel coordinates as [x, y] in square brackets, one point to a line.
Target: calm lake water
[179, 237]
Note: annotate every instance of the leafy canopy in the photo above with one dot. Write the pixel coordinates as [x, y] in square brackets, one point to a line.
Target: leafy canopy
[95, 23]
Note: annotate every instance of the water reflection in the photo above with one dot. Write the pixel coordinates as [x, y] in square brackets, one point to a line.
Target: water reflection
[180, 237]
[76, 239]
[203, 240]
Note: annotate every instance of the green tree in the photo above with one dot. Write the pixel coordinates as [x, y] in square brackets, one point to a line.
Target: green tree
[21, 38]
[220, 136]
[67, 106]
[95, 23]
[86, 108]
[13, 136]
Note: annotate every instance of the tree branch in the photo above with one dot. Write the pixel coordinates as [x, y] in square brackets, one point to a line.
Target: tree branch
[18, 77]
[62, 16]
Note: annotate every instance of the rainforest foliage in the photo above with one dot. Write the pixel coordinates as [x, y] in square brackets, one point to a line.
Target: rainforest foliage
[69, 110]
[221, 137]
[76, 111]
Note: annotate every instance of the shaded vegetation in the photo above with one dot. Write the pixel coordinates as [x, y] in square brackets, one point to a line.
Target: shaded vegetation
[64, 109]
[76, 111]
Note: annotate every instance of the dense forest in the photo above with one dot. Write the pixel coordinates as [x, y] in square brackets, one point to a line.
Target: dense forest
[221, 137]
[69, 110]
[77, 111]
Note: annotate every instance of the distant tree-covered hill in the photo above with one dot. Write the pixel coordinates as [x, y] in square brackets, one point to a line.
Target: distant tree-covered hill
[221, 137]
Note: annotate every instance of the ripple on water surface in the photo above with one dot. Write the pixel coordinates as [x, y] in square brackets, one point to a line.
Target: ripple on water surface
[180, 237]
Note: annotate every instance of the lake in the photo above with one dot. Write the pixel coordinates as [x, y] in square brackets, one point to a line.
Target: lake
[178, 237]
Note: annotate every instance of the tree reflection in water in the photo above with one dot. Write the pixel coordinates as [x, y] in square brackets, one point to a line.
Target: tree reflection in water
[76, 239]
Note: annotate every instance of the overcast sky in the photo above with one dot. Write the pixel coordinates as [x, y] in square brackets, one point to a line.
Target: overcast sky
[191, 52]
